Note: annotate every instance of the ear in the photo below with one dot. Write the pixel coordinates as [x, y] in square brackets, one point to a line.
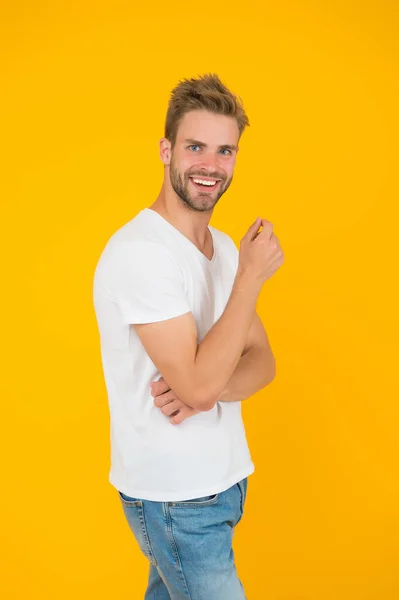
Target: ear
[165, 151]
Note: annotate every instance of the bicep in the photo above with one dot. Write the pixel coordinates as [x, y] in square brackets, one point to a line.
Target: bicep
[172, 346]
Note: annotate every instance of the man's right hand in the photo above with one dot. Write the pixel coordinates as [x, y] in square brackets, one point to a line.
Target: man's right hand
[260, 252]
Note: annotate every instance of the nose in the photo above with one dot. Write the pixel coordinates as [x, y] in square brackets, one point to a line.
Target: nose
[211, 162]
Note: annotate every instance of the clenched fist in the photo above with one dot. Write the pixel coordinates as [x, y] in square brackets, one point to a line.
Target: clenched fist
[260, 252]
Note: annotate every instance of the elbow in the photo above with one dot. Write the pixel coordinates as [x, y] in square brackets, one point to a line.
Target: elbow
[271, 372]
[203, 404]
[201, 401]
[207, 406]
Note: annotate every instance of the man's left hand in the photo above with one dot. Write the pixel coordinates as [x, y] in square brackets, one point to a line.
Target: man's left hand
[169, 403]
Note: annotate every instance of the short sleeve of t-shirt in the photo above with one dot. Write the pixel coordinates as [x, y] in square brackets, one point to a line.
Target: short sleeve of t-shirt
[146, 282]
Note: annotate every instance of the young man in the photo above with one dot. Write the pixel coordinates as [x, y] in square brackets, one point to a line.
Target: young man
[181, 347]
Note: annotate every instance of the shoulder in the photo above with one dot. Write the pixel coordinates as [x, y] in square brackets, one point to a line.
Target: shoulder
[140, 229]
[139, 256]
[137, 243]
[134, 265]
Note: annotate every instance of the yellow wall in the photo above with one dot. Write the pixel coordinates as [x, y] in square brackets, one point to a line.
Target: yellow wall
[83, 93]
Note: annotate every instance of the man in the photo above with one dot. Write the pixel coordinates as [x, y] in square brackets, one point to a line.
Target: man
[181, 347]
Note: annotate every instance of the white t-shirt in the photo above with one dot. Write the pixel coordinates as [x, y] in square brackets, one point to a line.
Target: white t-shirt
[148, 272]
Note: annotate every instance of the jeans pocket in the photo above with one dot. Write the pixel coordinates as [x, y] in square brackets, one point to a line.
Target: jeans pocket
[196, 502]
[128, 500]
[242, 486]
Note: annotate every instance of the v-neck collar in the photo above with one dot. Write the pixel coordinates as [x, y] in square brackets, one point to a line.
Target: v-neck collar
[209, 261]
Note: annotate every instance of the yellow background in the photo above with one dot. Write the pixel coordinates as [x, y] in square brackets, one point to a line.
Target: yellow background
[83, 92]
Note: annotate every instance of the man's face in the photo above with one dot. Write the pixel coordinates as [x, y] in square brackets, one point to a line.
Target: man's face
[203, 158]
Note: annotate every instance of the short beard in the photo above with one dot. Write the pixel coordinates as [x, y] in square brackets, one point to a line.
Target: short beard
[181, 189]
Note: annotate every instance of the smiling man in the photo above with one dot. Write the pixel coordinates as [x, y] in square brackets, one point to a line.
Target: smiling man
[182, 346]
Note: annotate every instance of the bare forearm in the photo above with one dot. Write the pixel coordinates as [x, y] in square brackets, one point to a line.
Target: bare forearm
[255, 370]
[219, 352]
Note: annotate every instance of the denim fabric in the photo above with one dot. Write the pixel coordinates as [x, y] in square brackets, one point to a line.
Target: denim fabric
[189, 544]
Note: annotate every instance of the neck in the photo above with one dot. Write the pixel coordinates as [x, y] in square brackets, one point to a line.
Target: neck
[193, 224]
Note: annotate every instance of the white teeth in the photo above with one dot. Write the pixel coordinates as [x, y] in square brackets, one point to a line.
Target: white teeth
[201, 181]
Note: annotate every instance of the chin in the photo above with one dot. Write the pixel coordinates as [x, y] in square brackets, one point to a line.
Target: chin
[204, 205]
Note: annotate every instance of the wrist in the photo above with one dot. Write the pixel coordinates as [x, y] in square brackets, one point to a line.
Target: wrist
[245, 282]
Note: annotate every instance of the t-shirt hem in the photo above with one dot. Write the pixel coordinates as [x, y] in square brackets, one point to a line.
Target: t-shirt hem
[181, 494]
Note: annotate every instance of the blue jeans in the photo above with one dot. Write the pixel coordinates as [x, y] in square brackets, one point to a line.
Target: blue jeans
[189, 544]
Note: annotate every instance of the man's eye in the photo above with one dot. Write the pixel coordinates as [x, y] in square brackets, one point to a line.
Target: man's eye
[194, 146]
[226, 150]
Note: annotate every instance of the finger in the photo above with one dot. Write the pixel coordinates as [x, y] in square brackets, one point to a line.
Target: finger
[163, 399]
[180, 417]
[253, 230]
[159, 387]
[172, 407]
[267, 229]
[274, 242]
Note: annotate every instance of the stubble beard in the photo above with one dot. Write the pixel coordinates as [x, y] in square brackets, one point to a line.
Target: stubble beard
[203, 201]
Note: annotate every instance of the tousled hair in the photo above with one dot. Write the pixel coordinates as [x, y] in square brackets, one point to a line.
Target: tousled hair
[206, 92]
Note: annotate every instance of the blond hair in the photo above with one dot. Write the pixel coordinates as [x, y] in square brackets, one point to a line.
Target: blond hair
[206, 92]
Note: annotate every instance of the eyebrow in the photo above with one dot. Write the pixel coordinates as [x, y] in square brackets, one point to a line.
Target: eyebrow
[203, 145]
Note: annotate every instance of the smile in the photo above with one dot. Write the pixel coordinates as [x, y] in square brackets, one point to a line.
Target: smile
[204, 184]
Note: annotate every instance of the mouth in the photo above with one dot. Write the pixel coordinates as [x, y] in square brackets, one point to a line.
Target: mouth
[205, 184]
